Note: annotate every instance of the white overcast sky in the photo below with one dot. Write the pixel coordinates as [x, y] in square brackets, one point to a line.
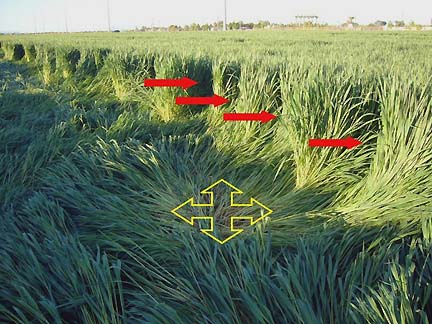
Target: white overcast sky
[50, 15]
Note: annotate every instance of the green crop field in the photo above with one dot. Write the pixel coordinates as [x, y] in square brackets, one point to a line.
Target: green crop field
[92, 163]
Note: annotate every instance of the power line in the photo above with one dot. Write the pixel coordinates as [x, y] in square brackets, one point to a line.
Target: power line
[225, 20]
[66, 19]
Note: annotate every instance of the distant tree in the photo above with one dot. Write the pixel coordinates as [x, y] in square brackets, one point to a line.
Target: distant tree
[380, 23]
[234, 25]
[195, 27]
[399, 23]
[215, 26]
[262, 24]
[412, 24]
[350, 23]
[247, 26]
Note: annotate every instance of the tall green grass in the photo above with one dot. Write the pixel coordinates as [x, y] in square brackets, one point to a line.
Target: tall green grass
[91, 163]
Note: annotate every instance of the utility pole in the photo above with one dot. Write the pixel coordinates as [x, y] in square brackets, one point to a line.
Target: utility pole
[66, 20]
[109, 15]
[225, 15]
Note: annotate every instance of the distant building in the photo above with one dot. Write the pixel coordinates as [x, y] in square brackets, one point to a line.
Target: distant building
[302, 20]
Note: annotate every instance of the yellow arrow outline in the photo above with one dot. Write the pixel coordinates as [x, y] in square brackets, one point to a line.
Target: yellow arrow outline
[211, 218]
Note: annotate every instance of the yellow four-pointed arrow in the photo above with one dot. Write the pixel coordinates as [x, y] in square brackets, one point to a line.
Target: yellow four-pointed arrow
[209, 193]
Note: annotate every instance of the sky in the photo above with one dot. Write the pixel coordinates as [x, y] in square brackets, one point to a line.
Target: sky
[91, 15]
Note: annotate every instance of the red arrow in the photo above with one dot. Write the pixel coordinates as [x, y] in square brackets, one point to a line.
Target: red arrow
[348, 142]
[263, 116]
[214, 100]
[184, 82]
